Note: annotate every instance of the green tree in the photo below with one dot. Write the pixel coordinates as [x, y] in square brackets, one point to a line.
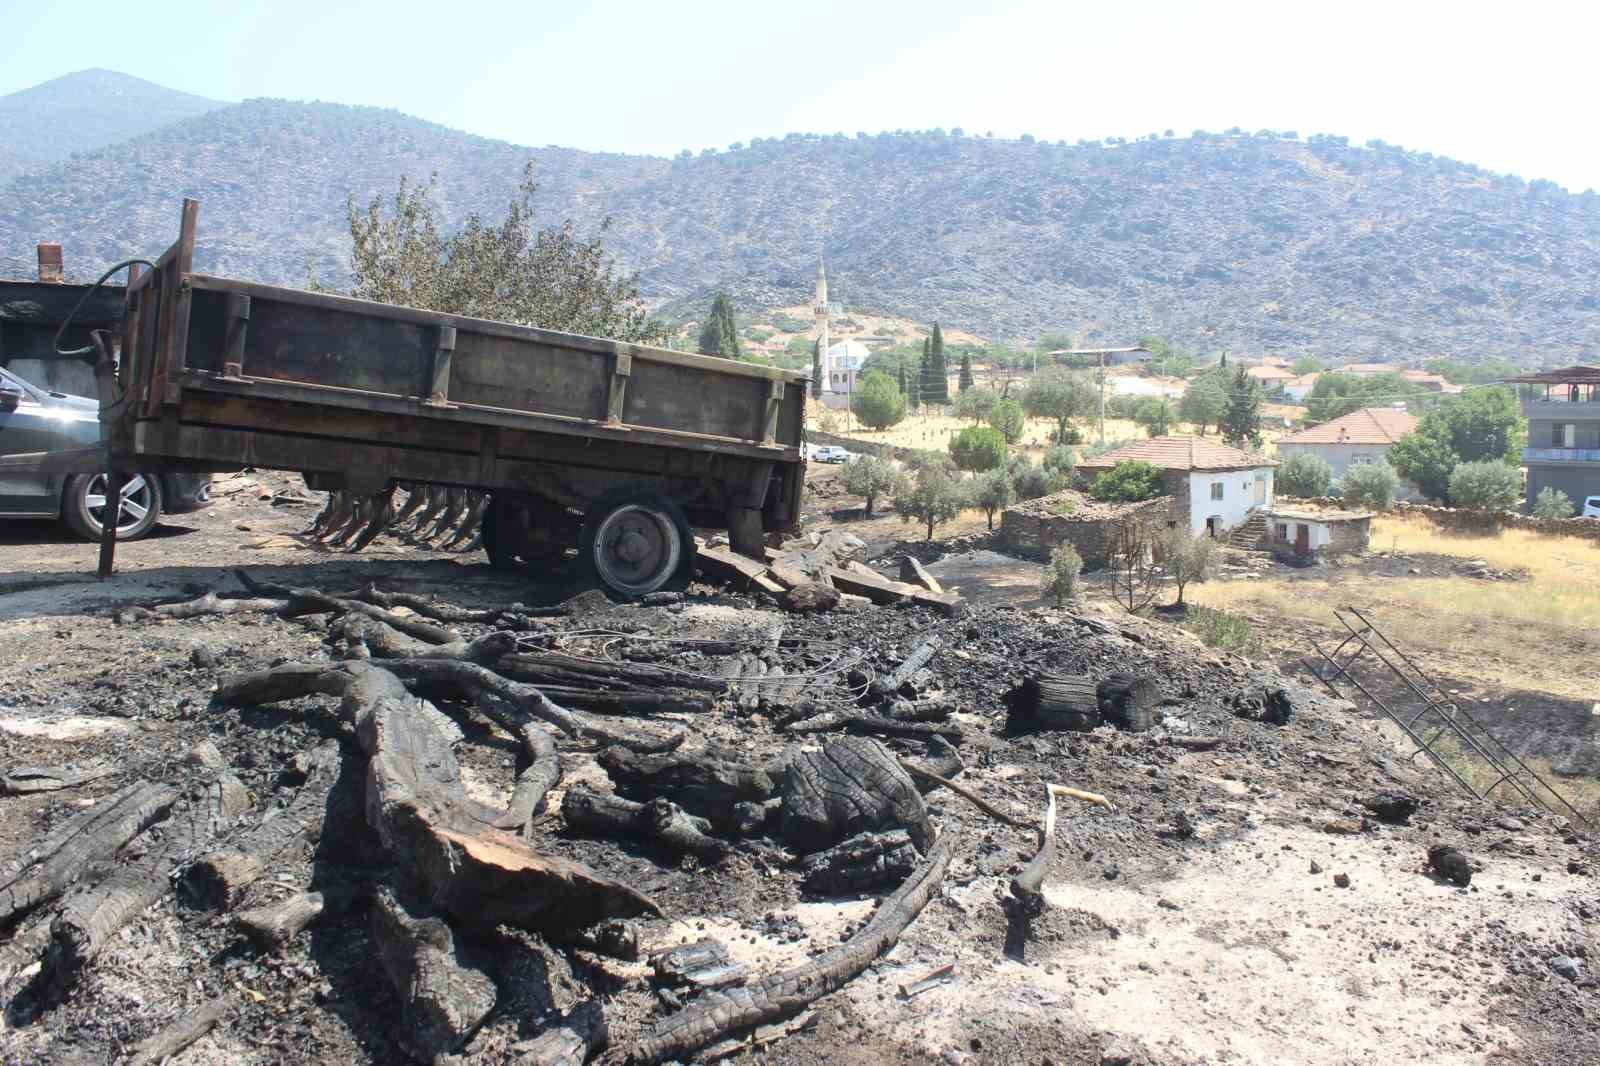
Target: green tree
[935, 497]
[1062, 395]
[1241, 422]
[1309, 364]
[1482, 424]
[1128, 481]
[1009, 419]
[870, 477]
[1335, 395]
[1155, 415]
[504, 270]
[1203, 403]
[964, 383]
[877, 401]
[816, 369]
[1303, 475]
[1028, 480]
[991, 492]
[1059, 462]
[1060, 578]
[976, 404]
[1426, 461]
[978, 448]
[1553, 503]
[720, 335]
[1486, 485]
[1186, 557]
[936, 384]
[1370, 485]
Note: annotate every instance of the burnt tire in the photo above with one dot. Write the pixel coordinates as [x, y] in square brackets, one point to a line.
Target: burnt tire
[636, 542]
[83, 505]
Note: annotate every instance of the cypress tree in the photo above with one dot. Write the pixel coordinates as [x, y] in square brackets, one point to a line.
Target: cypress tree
[719, 335]
[941, 376]
[913, 389]
[965, 382]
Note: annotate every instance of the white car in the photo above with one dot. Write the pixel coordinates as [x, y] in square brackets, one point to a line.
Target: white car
[1591, 507]
[831, 453]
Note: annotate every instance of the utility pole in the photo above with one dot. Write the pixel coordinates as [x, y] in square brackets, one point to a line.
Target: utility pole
[1100, 376]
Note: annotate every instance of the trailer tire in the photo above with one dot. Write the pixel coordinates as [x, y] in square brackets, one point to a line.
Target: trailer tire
[636, 542]
[505, 528]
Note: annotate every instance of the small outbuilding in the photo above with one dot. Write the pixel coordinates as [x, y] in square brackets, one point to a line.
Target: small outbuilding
[1311, 532]
[1033, 528]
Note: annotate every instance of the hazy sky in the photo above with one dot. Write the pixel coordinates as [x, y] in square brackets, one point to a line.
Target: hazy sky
[1505, 86]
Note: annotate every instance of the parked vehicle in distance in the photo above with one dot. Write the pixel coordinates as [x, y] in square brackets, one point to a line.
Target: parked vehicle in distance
[1591, 507]
[831, 453]
[36, 423]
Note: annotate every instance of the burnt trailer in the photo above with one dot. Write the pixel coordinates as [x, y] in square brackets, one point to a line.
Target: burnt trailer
[617, 448]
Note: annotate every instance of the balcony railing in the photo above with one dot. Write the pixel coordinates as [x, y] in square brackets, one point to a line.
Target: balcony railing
[1579, 410]
[1561, 455]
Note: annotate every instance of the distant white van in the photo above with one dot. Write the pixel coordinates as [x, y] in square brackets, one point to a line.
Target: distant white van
[1591, 507]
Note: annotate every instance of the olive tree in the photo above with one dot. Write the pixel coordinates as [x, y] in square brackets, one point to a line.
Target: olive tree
[1061, 395]
[992, 492]
[1304, 475]
[504, 270]
[936, 496]
[1487, 485]
[1370, 485]
[978, 448]
[1009, 419]
[1552, 503]
[870, 477]
[1186, 556]
[1060, 577]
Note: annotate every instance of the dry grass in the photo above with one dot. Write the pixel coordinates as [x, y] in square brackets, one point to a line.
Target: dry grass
[1536, 634]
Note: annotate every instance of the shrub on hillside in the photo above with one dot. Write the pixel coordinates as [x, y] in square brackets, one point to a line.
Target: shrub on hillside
[872, 477]
[1304, 475]
[1553, 503]
[1008, 418]
[1488, 485]
[978, 448]
[992, 492]
[936, 496]
[1371, 486]
[1127, 482]
[1060, 578]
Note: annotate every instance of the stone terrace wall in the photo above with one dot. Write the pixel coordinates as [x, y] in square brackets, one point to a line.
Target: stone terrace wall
[1031, 529]
[1465, 521]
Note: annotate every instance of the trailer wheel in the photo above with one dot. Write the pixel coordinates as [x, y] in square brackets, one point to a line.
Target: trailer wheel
[508, 532]
[636, 543]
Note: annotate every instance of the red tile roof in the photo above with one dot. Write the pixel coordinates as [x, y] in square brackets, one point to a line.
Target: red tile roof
[1180, 453]
[1369, 425]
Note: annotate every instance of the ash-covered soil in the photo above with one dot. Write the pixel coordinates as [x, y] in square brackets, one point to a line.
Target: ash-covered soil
[1203, 921]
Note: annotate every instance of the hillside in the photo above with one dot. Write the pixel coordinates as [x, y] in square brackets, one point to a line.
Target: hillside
[1247, 243]
[83, 111]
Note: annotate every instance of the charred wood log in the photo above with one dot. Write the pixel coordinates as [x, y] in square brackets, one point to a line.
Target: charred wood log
[564, 669]
[619, 703]
[658, 821]
[1076, 703]
[441, 840]
[363, 637]
[850, 786]
[447, 613]
[534, 780]
[702, 964]
[204, 606]
[710, 783]
[26, 780]
[927, 776]
[941, 763]
[90, 917]
[218, 879]
[443, 997]
[478, 681]
[568, 1042]
[874, 725]
[719, 1013]
[932, 708]
[271, 927]
[303, 601]
[920, 656]
[179, 1035]
[21, 952]
[866, 862]
[92, 837]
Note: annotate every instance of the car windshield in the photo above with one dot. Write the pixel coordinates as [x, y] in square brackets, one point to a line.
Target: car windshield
[68, 376]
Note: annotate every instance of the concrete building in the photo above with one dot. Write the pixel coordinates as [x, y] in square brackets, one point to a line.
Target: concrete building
[1271, 376]
[1310, 532]
[1298, 388]
[1214, 487]
[1362, 436]
[1563, 449]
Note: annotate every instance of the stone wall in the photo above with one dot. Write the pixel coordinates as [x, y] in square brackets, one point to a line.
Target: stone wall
[1032, 528]
[1349, 535]
[1465, 521]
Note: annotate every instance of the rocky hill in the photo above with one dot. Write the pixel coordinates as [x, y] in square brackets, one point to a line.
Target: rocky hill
[1251, 243]
[83, 111]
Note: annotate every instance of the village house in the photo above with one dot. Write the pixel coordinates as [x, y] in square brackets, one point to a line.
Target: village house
[1563, 451]
[1298, 388]
[1312, 532]
[1214, 487]
[1271, 376]
[1362, 436]
[1366, 370]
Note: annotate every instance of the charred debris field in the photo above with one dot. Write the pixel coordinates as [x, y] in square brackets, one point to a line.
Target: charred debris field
[437, 817]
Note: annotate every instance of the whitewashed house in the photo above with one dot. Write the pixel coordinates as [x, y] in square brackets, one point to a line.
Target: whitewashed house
[1214, 487]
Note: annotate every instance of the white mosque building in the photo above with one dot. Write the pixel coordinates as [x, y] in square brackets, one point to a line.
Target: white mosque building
[841, 362]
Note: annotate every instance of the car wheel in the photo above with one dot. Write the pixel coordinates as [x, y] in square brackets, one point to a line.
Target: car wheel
[84, 502]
